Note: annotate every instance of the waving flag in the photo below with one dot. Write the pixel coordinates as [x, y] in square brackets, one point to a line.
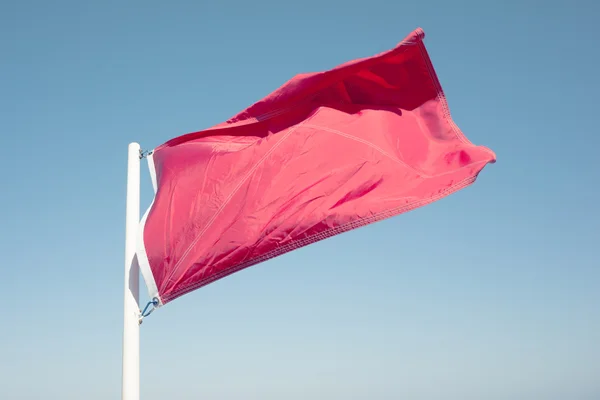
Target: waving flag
[325, 153]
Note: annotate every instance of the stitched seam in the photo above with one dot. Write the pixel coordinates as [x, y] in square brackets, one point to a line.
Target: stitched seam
[444, 101]
[320, 236]
[230, 196]
[441, 96]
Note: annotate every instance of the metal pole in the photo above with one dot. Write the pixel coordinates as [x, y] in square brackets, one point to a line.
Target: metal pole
[130, 389]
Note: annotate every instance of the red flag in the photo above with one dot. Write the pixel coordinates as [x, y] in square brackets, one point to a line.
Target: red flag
[325, 153]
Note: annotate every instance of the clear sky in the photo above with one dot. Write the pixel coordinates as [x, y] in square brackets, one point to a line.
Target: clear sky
[492, 293]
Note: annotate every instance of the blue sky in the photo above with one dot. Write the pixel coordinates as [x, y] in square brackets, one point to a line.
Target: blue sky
[491, 293]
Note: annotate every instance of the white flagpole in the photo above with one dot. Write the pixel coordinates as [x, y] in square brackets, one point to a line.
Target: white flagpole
[130, 389]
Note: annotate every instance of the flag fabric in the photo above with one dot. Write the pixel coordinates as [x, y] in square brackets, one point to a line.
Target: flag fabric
[325, 153]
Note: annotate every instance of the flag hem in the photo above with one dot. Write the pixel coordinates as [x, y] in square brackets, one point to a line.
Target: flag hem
[142, 256]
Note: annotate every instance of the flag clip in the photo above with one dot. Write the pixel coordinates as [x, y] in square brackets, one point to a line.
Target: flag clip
[145, 153]
[147, 310]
